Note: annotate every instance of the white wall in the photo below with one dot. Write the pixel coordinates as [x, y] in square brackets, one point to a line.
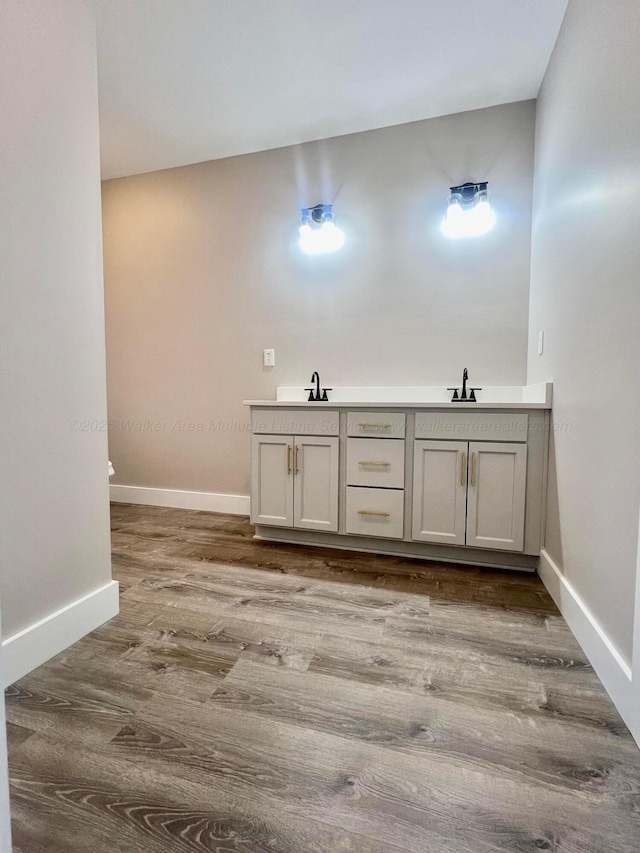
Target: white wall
[203, 271]
[585, 294]
[54, 512]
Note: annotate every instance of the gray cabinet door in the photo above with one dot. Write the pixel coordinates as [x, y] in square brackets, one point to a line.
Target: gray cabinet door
[496, 503]
[315, 491]
[440, 491]
[272, 480]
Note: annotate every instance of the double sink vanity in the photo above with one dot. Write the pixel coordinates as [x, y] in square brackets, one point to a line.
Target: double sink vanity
[404, 471]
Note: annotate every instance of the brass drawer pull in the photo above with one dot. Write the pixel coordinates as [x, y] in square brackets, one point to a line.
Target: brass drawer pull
[288, 458]
[297, 453]
[371, 512]
[473, 469]
[463, 468]
[374, 426]
[375, 464]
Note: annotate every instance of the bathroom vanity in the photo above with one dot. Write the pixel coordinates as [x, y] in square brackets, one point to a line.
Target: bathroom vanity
[404, 472]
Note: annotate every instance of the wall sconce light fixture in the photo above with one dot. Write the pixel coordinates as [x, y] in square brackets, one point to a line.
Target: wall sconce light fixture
[318, 231]
[469, 213]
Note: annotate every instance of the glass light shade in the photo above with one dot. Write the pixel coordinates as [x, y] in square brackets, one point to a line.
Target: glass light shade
[472, 221]
[316, 241]
[484, 218]
[453, 223]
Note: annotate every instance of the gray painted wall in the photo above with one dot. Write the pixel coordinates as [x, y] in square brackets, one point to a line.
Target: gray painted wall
[54, 512]
[203, 271]
[585, 294]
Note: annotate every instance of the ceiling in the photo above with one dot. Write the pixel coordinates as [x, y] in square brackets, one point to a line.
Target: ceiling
[182, 81]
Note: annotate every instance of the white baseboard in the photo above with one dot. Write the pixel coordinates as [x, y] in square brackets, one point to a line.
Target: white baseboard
[611, 668]
[207, 501]
[32, 647]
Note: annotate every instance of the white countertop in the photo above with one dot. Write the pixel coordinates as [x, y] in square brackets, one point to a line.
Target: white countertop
[490, 397]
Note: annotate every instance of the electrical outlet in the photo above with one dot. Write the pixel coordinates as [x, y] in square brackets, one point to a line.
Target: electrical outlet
[540, 342]
[269, 357]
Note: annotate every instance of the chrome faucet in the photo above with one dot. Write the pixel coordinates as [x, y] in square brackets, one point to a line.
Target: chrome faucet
[462, 398]
[319, 395]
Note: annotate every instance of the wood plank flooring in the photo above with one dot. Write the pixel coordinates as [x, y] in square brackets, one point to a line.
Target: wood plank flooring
[256, 697]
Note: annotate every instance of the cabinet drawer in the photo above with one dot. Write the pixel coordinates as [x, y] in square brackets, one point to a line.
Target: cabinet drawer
[376, 424]
[375, 462]
[469, 426]
[295, 421]
[375, 512]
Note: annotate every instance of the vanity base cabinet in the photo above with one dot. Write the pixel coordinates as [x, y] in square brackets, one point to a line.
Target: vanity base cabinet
[465, 487]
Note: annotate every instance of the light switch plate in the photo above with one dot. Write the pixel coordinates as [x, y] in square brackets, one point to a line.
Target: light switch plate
[269, 357]
[540, 342]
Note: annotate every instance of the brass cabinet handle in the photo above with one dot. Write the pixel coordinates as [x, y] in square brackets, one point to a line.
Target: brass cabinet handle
[374, 426]
[463, 468]
[297, 452]
[473, 469]
[371, 512]
[376, 464]
[288, 458]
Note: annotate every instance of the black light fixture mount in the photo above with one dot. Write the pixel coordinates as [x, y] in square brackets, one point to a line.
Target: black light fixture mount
[469, 193]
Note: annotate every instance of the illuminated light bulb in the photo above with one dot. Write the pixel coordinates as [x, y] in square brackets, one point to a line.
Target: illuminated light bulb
[453, 224]
[309, 241]
[305, 232]
[332, 236]
[484, 218]
[316, 241]
[468, 221]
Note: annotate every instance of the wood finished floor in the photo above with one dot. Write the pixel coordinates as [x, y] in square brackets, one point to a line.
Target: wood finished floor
[254, 697]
